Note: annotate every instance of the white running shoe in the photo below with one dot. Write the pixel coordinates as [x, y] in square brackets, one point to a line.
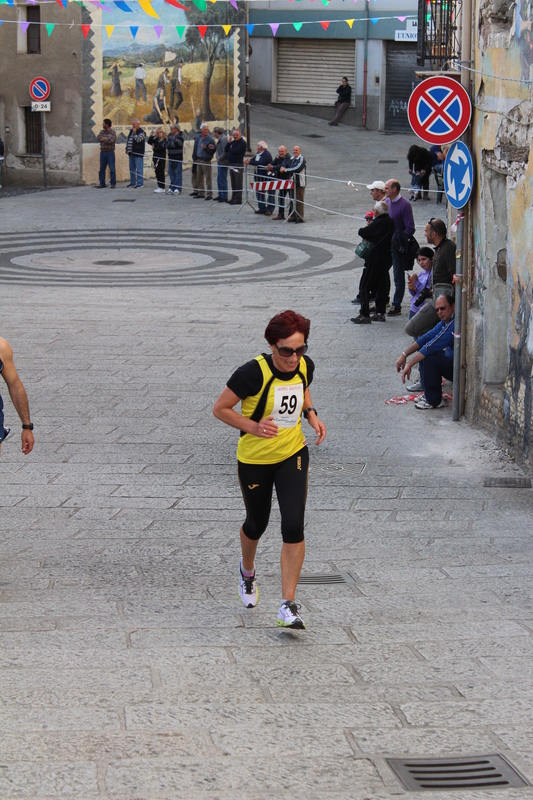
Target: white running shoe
[158, 190]
[423, 404]
[415, 387]
[288, 616]
[248, 591]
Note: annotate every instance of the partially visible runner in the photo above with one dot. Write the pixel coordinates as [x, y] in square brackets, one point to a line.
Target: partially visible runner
[274, 393]
[18, 398]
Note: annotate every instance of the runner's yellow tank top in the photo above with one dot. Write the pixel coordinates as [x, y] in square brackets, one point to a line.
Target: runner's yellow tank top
[285, 403]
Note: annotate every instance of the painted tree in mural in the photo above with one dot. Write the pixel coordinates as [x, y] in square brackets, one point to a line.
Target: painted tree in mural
[215, 15]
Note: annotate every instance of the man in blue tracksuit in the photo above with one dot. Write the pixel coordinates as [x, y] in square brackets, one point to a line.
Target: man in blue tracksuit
[434, 353]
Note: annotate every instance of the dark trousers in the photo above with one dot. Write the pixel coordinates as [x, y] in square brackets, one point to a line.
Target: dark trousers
[433, 369]
[340, 109]
[281, 201]
[159, 166]
[375, 279]
[236, 178]
[173, 94]
[107, 160]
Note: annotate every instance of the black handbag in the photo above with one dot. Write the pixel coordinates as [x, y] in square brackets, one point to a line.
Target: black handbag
[364, 248]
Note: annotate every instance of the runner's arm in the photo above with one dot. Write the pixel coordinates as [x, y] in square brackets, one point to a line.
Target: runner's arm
[17, 393]
[313, 420]
[224, 411]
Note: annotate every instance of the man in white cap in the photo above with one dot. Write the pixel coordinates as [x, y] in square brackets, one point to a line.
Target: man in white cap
[377, 193]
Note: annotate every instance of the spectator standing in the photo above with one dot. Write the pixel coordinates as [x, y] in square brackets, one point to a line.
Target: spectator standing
[260, 163]
[2, 154]
[420, 166]
[174, 146]
[282, 159]
[158, 140]
[107, 138]
[343, 102]
[205, 150]
[235, 149]
[222, 165]
[135, 146]
[139, 75]
[377, 264]
[441, 277]
[296, 169]
[401, 214]
[438, 158]
[377, 193]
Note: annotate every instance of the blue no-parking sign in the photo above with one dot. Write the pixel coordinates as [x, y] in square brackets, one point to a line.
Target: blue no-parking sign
[458, 175]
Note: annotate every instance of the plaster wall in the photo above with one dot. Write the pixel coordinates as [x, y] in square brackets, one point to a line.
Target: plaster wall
[59, 62]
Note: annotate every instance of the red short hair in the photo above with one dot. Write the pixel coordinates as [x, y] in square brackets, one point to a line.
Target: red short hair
[286, 324]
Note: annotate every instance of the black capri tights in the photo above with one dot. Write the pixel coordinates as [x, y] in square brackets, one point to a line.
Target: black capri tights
[290, 479]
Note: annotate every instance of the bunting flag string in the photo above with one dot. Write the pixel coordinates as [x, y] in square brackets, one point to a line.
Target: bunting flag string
[202, 30]
[49, 28]
[85, 30]
[109, 30]
[134, 29]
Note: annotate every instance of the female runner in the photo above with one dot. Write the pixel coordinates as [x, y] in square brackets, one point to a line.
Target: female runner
[273, 391]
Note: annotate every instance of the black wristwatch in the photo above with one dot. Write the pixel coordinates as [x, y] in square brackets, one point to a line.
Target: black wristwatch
[308, 410]
[28, 427]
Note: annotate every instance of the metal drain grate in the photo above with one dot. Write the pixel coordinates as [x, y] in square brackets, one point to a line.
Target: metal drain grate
[339, 469]
[124, 200]
[386, 161]
[481, 772]
[328, 580]
[113, 263]
[507, 483]
[313, 136]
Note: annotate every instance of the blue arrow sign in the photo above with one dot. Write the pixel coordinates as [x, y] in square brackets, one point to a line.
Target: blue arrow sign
[458, 175]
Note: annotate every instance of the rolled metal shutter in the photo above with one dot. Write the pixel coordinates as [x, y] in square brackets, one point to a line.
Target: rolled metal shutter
[310, 70]
[401, 80]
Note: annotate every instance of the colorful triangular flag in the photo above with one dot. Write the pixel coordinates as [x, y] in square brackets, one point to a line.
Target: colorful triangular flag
[274, 27]
[85, 29]
[297, 25]
[227, 29]
[181, 30]
[24, 26]
[402, 19]
[325, 25]
[176, 4]
[250, 29]
[350, 22]
[234, 4]
[109, 30]
[134, 29]
[147, 8]
[202, 29]
[374, 20]
[159, 30]
[123, 6]
[201, 4]
[50, 27]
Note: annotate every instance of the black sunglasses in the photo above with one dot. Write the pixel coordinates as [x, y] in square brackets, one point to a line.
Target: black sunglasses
[287, 352]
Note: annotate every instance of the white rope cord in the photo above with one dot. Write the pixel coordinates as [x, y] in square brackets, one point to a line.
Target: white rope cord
[484, 74]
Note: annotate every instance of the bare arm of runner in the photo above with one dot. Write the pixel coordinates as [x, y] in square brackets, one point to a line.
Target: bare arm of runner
[17, 394]
[224, 410]
[313, 420]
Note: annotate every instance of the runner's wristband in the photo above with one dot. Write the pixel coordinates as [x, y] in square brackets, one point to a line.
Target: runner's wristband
[308, 411]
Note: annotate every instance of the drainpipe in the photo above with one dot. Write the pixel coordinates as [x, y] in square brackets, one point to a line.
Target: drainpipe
[247, 84]
[365, 70]
[459, 346]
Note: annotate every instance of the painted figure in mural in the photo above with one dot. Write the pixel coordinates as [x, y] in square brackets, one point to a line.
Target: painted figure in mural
[343, 102]
[115, 72]
[18, 398]
[159, 106]
[522, 32]
[175, 85]
[140, 75]
[163, 79]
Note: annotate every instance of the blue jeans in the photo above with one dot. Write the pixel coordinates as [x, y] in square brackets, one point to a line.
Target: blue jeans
[140, 87]
[433, 369]
[222, 181]
[261, 202]
[107, 160]
[399, 278]
[136, 170]
[174, 173]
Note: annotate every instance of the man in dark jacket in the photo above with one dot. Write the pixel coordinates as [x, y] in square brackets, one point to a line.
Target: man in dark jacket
[260, 162]
[203, 152]
[282, 160]
[345, 95]
[174, 145]
[296, 169]
[420, 162]
[135, 145]
[235, 150]
[377, 264]
[158, 141]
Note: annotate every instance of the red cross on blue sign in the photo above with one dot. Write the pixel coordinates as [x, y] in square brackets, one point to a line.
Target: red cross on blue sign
[439, 110]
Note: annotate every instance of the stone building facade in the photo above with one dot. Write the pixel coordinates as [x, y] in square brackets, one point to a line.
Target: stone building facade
[500, 324]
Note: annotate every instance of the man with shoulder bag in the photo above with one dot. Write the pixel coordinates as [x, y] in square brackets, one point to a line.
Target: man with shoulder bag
[376, 251]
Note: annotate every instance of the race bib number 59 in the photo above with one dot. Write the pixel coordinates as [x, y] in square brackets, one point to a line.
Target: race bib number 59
[288, 402]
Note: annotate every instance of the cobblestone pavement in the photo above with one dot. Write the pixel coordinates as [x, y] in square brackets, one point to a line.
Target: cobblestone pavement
[129, 667]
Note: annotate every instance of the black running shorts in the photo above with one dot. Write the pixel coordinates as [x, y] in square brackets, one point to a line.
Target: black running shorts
[290, 479]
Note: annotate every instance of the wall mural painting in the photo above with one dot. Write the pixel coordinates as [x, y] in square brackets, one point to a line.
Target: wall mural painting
[168, 72]
[523, 36]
